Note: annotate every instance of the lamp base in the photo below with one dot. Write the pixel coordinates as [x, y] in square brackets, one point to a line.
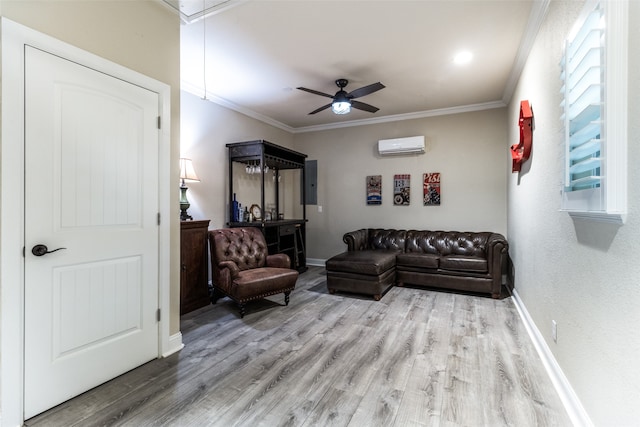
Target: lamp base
[184, 216]
[184, 204]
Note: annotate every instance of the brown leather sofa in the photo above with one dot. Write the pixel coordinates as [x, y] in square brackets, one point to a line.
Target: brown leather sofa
[376, 259]
[243, 270]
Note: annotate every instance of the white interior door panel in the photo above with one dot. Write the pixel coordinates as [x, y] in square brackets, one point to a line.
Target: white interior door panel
[91, 187]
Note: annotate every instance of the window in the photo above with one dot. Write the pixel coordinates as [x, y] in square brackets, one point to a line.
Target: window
[594, 73]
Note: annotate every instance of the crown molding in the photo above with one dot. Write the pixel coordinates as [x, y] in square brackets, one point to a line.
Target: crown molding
[536, 18]
[208, 96]
[406, 116]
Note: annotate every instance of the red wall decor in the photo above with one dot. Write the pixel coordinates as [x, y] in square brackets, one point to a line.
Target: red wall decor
[521, 152]
[431, 189]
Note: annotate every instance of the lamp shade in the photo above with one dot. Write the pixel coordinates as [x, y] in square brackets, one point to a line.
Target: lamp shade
[187, 172]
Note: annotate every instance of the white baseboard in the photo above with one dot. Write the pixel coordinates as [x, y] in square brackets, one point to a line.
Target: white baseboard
[175, 344]
[316, 262]
[570, 400]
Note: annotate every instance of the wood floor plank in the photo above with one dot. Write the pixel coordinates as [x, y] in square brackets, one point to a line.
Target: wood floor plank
[272, 380]
[415, 358]
[377, 408]
[417, 409]
[502, 405]
[424, 394]
[381, 402]
[335, 408]
[365, 364]
[517, 390]
[462, 400]
[307, 382]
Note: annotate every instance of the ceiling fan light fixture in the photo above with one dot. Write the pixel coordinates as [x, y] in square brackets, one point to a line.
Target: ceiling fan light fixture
[342, 102]
[341, 107]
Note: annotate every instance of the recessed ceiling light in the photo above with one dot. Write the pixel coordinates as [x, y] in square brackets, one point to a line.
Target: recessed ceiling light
[462, 58]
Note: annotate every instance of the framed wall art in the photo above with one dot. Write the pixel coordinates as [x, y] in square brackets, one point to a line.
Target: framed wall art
[402, 189]
[431, 189]
[374, 190]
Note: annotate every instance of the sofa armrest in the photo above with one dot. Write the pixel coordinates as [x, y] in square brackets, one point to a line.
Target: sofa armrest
[356, 240]
[497, 248]
[279, 261]
[230, 266]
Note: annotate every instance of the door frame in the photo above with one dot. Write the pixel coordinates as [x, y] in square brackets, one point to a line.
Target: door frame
[12, 227]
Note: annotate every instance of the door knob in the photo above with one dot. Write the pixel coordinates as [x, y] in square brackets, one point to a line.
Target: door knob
[39, 250]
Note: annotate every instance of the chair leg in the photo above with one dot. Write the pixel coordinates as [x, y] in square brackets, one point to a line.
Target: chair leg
[215, 296]
[286, 298]
[242, 308]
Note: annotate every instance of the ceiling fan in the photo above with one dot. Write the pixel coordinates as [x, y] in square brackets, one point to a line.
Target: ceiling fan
[343, 101]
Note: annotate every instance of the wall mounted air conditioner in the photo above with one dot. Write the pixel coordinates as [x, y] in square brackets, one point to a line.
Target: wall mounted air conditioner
[410, 145]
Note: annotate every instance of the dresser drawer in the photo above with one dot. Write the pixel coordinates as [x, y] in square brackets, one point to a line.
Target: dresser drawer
[286, 230]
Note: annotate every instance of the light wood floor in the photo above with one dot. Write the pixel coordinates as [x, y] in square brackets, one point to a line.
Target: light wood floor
[415, 358]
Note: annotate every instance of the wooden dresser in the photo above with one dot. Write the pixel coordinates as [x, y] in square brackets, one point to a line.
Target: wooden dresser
[194, 258]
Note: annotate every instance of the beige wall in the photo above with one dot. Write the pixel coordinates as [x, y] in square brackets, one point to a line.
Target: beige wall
[141, 35]
[582, 274]
[206, 129]
[467, 149]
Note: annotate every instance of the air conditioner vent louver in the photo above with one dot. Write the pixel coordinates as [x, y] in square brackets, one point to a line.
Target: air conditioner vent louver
[410, 145]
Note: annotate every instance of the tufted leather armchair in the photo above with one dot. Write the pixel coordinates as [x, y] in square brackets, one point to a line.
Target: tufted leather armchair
[243, 270]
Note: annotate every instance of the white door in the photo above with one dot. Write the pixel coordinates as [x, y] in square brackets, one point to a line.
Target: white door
[91, 187]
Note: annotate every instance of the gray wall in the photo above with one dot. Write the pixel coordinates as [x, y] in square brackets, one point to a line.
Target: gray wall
[582, 274]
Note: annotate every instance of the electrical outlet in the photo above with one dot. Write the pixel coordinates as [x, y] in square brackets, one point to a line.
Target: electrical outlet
[319, 208]
[554, 331]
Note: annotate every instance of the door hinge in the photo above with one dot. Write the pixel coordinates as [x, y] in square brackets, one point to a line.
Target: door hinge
[158, 315]
[23, 252]
[158, 218]
[159, 123]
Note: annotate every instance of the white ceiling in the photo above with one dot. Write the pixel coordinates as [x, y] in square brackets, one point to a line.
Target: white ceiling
[258, 52]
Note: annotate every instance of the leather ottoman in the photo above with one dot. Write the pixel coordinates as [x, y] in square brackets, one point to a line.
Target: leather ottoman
[369, 272]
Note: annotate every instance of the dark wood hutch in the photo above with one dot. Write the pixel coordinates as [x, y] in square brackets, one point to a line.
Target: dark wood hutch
[283, 235]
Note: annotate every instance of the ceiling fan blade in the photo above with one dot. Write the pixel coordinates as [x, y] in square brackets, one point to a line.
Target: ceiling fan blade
[315, 92]
[365, 107]
[324, 107]
[366, 90]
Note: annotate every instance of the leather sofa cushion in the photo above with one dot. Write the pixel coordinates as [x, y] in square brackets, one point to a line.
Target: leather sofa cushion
[447, 242]
[420, 260]
[265, 280]
[386, 239]
[369, 262]
[464, 263]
